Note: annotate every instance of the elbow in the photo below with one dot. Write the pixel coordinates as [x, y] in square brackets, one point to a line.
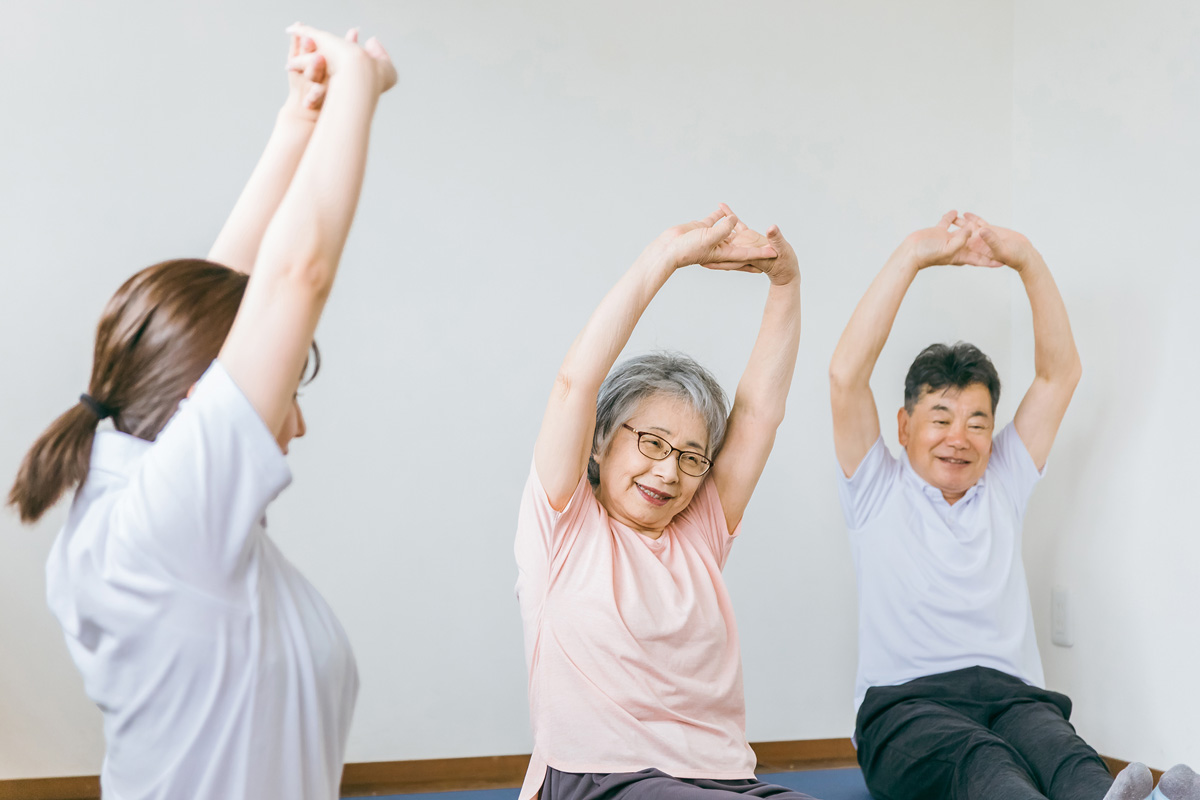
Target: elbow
[766, 415]
[562, 386]
[299, 258]
[1065, 373]
[311, 276]
[840, 379]
[1075, 372]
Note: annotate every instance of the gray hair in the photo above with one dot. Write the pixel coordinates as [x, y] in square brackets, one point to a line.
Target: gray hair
[640, 377]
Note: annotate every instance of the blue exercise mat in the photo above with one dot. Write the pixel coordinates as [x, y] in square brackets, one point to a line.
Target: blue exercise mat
[823, 784]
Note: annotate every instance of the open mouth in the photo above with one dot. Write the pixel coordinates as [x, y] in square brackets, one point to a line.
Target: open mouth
[653, 497]
[954, 462]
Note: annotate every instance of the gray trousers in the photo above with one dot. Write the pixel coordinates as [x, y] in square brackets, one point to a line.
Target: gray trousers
[972, 734]
[651, 784]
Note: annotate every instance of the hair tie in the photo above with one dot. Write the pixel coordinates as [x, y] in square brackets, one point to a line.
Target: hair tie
[99, 409]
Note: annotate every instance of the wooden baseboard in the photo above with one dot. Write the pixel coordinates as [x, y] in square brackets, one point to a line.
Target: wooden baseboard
[433, 775]
[83, 787]
[489, 772]
[506, 772]
[452, 774]
[805, 754]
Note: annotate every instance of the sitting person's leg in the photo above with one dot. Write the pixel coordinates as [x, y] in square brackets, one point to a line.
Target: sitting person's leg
[925, 740]
[652, 784]
[1034, 722]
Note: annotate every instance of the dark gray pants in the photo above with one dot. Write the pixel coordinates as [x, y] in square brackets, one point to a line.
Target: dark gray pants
[972, 734]
[651, 784]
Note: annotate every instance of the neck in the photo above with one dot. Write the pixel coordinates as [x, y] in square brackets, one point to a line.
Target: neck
[953, 497]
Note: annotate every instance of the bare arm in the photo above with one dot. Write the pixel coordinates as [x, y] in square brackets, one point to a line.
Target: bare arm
[1057, 367]
[855, 417]
[758, 406]
[237, 244]
[298, 259]
[564, 442]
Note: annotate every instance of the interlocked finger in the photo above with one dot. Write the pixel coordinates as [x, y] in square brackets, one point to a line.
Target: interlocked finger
[310, 65]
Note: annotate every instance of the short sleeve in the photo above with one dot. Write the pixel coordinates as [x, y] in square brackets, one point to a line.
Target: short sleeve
[203, 485]
[864, 493]
[1011, 465]
[705, 516]
[542, 532]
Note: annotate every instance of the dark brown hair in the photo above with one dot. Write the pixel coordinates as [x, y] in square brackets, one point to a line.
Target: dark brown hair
[158, 334]
[942, 366]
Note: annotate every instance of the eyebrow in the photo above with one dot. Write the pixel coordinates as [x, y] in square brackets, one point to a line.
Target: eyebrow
[701, 448]
[940, 407]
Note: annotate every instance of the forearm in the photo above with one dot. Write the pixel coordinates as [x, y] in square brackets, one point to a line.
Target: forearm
[238, 242]
[762, 392]
[871, 324]
[606, 333]
[1055, 357]
[309, 230]
[565, 439]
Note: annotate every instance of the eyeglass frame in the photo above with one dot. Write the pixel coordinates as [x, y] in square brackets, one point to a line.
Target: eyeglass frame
[672, 449]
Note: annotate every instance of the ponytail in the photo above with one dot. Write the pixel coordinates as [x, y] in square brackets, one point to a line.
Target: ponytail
[57, 461]
[157, 335]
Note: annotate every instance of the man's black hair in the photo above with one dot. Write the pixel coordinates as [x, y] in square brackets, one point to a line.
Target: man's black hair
[957, 366]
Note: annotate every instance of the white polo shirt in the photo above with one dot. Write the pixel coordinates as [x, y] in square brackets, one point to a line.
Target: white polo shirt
[940, 587]
[220, 671]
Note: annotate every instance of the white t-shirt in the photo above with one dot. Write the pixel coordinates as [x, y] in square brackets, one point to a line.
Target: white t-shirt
[220, 671]
[940, 587]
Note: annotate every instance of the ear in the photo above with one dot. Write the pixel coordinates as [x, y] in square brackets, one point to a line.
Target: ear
[902, 420]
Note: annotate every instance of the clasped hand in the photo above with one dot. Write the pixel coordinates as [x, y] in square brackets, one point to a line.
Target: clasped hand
[723, 242]
[314, 55]
[973, 243]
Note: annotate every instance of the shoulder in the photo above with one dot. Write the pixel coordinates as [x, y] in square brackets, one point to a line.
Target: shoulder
[864, 494]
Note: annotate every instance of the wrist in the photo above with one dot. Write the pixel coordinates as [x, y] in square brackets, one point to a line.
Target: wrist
[791, 279]
[1031, 266]
[656, 261]
[906, 259]
[359, 69]
[294, 114]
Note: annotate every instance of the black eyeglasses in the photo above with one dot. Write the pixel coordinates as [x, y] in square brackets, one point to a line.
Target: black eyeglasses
[651, 445]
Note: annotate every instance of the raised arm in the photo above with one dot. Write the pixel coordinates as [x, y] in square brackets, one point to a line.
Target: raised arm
[295, 267]
[761, 397]
[565, 439]
[855, 417]
[1055, 360]
[237, 244]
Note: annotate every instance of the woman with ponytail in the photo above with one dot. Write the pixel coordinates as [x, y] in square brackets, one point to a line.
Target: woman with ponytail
[219, 669]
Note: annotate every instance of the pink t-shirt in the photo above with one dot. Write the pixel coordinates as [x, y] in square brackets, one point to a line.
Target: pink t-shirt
[631, 643]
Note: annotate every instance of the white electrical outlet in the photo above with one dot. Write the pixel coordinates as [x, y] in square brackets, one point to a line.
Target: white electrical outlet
[1060, 618]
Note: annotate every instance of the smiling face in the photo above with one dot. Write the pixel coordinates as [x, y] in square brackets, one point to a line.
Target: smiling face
[638, 491]
[948, 437]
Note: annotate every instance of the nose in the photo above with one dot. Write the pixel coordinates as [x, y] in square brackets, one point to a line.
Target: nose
[301, 428]
[667, 469]
[956, 436]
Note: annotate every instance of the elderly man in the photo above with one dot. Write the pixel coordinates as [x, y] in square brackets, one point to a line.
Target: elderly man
[949, 690]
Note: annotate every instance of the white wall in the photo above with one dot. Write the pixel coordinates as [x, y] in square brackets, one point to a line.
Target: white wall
[527, 155]
[1106, 165]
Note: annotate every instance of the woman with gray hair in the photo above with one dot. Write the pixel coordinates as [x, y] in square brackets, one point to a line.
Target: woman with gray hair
[637, 491]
